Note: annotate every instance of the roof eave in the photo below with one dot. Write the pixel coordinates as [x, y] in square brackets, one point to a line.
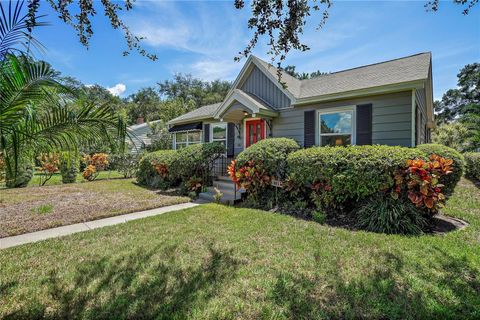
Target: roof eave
[182, 121]
[391, 88]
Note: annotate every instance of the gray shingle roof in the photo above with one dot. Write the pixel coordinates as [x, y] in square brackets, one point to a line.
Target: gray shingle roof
[201, 113]
[406, 69]
[411, 68]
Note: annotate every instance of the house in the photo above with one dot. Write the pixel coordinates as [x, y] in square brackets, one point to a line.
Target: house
[389, 103]
[139, 135]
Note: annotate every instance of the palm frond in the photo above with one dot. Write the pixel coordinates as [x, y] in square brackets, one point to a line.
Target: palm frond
[22, 81]
[14, 30]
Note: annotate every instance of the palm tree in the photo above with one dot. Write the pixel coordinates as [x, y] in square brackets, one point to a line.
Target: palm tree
[38, 113]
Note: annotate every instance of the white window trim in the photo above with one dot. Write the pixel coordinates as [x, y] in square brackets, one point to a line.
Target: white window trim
[226, 132]
[353, 109]
[187, 143]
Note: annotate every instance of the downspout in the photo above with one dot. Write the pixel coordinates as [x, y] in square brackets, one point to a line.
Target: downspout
[413, 119]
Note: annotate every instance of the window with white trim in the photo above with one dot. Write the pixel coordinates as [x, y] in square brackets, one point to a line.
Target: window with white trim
[186, 138]
[336, 127]
[219, 133]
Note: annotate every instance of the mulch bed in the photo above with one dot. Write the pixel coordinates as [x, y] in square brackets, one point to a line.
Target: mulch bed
[71, 204]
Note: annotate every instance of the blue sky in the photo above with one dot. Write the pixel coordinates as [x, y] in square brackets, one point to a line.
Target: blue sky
[202, 38]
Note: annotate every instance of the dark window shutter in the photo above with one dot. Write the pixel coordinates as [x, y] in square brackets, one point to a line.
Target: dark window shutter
[364, 124]
[230, 139]
[206, 133]
[309, 129]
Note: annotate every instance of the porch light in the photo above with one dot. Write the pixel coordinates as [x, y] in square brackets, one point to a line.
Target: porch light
[245, 113]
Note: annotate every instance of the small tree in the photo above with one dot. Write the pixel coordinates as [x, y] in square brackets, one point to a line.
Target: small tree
[95, 163]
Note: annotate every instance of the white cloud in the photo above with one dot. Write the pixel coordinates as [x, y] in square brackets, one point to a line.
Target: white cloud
[215, 69]
[117, 89]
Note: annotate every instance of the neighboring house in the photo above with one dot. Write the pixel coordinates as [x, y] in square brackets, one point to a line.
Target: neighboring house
[139, 135]
[388, 103]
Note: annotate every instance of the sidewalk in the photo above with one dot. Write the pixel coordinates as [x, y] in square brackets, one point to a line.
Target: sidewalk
[85, 226]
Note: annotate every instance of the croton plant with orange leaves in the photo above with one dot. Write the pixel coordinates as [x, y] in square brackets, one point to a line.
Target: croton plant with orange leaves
[250, 176]
[161, 168]
[95, 163]
[420, 179]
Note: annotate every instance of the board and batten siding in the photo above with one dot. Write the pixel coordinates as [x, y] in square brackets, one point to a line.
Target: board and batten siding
[391, 118]
[421, 103]
[259, 84]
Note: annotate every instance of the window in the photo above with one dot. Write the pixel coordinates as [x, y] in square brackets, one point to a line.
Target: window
[186, 138]
[337, 128]
[219, 133]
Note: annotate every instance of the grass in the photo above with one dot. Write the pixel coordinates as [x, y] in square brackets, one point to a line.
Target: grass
[56, 179]
[36, 208]
[221, 262]
[43, 209]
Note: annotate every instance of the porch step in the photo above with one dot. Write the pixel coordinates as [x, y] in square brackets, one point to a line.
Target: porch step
[226, 187]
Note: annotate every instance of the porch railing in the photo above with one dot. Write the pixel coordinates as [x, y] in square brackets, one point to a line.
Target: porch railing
[220, 166]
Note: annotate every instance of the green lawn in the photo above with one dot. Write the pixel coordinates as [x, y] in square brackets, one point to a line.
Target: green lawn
[222, 262]
[56, 179]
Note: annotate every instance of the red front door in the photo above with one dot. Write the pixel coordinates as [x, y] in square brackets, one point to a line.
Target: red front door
[255, 131]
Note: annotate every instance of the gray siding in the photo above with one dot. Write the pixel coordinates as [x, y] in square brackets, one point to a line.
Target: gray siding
[260, 85]
[391, 118]
[421, 104]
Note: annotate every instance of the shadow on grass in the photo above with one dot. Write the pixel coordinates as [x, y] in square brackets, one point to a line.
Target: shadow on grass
[474, 181]
[142, 285]
[386, 292]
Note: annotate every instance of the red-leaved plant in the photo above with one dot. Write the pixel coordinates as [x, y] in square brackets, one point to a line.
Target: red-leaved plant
[250, 176]
[161, 168]
[420, 179]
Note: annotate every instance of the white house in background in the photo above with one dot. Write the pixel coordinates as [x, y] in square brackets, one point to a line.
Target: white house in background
[139, 133]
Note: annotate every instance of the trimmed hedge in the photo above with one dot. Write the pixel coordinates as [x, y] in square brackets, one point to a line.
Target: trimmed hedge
[23, 176]
[472, 165]
[194, 161]
[69, 169]
[350, 173]
[148, 176]
[451, 180]
[272, 153]
[197, 159]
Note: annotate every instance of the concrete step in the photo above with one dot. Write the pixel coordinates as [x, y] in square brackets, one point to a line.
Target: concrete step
[210, 197]
[229, 192]
[224, 178]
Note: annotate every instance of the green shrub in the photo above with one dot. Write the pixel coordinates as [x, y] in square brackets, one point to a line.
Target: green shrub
[147, 175]
[126, 163]
[382, 213]
[23, 176]
[319, 217]
[69, 168]
[472, 165]
[272, 153]
[450, 180]
[197, 160]
[334, 176]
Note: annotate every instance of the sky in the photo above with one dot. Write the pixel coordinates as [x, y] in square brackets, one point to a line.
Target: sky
[202, 38]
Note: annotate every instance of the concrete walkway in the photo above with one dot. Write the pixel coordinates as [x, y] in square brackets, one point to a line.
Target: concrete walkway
[85, 226]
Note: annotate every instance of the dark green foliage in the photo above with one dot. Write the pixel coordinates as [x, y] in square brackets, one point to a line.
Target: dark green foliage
[147, 175]
[192, 161]
[271, 153]
[197, 160]
[382, 213]
[23, 174]
[349, 173]
[69, 168]
[126, 163]
[319, 216]
[472, 165]
[450, 180]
